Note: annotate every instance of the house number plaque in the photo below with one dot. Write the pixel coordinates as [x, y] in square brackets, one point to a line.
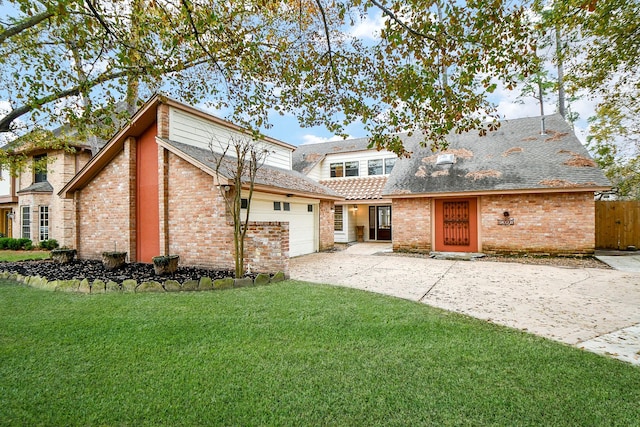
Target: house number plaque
[507, 221]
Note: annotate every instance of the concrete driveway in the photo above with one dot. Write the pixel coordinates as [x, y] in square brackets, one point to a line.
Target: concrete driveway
[594, 309]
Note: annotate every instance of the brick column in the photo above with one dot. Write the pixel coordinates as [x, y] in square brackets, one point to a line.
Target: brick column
[326, 225]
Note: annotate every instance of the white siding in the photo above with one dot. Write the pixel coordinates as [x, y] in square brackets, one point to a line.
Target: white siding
[316, 172]
[361, 156]
[304, 226]
[199, 132]
[5, 182]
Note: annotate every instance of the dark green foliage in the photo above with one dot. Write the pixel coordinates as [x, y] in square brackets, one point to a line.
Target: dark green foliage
[15, 244]
[49, 244]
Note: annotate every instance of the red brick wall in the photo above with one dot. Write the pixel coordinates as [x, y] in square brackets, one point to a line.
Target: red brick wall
[326, 226]
[411, 224]
[551, 223]
[104, 209]
[199, 229]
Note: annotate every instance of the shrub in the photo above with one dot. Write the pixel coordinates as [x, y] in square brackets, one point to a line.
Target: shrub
[15, 244]
[49, 244]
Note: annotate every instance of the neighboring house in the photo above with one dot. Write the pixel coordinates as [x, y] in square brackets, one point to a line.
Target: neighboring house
[153, 190]
[511, 191]
[359, 174]
[29, 205]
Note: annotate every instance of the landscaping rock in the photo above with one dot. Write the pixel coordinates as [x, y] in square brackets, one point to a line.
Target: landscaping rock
[68, 285]
[98, 287]
[112, 286]
[84, 287]
[278, 277]
[206, 284]
[225, 283]
[51, 286]
[150, 286]
[93, 269]
[243, 283]
[190, 285]
[262, 279]
[129, 285]
[172, 286]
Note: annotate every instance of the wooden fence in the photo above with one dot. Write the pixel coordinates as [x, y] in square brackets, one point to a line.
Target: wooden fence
[617, 224]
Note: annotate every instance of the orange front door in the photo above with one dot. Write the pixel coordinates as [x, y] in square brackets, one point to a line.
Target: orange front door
[456, 224]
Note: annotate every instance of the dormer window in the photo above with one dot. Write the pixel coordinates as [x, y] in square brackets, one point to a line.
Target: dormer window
[381, 166]
[341, 169]
[40, 168]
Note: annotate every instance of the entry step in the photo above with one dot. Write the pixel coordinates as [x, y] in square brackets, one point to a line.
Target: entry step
[457, 256]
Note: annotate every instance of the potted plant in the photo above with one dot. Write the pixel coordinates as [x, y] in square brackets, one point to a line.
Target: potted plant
[63, 255]
[165, 264]
[113, 260]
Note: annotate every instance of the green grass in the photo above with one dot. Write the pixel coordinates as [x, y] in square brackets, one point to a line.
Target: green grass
[12, 256]
[288, 354]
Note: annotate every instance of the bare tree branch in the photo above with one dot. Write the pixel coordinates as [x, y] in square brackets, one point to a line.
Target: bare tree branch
[334, 73]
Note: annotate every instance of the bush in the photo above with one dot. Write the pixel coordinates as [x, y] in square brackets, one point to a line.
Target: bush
[15, 244]
[49, 244]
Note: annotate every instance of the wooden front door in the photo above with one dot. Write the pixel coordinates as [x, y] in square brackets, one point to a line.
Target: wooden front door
[456, 225]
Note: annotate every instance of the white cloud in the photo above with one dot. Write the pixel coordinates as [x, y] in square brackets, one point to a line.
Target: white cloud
[368, 27]
[315, 139]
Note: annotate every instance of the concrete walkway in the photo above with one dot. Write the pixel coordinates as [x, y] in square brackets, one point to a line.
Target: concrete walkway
[594, 309]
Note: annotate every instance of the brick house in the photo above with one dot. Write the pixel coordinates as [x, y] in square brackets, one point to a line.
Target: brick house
[29, 204]
[357, 173]
[153, 190]
[511, 191]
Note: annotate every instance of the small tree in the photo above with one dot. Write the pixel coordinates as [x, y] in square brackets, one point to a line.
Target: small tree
[238, 161]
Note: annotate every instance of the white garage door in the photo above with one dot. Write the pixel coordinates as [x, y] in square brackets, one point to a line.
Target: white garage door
[303, 222]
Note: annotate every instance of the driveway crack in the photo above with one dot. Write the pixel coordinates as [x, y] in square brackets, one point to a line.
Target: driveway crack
[437, 281]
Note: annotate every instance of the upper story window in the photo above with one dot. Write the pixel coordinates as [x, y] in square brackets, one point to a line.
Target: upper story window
[375, 167]
[338, 170]
[40, 168]
[381, 166]
[389, 164]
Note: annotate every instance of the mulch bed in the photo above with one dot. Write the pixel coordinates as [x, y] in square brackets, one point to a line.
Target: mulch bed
[92, 270]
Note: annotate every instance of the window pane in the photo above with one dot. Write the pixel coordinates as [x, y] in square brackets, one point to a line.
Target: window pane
[337, 170]
[44, 223]
[26, 222]
[276, 206]
[375, 167]
[389, 164]
[40, 168]
[244, 203]
[351, 168]
[337, 224]
[287, 206]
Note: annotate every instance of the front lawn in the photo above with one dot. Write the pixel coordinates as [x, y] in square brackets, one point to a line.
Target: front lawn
[288, 354]
[14, 256]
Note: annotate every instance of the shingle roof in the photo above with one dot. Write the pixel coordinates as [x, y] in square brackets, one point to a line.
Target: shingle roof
[362, 188]
[306, 156]
[38, 187]
[267, 175]
[515, 157]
